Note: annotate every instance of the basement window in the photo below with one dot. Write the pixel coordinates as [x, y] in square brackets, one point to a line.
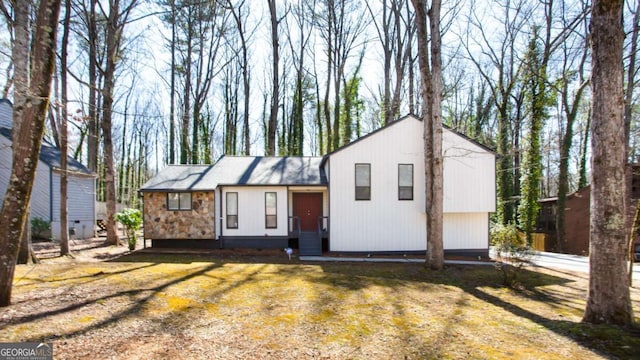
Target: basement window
[179, 201]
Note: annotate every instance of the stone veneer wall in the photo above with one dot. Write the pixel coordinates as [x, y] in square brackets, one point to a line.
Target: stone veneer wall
[197, 223]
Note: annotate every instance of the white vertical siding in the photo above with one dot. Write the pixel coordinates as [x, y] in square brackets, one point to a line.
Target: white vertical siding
[251, 211]
[469, 175]
[466, 231]
[385, 223]
[81, 206]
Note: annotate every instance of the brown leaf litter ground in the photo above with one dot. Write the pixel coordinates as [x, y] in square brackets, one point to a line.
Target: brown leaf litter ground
[109, 303]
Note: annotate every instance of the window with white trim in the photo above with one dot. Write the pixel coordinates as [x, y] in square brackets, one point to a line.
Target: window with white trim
[232, 210]
[271, 210]
[405, 181]
[363, 181]
[179, 201]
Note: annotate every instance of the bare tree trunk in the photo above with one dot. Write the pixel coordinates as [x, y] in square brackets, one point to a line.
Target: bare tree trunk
[246, 132]
[608, 299]
[432, 98]
[113, 34]
[411, 64]
[26, 254]
[320, 138]
[387, 49]
[54, 114]
[93, 133]
[392, 40]
[632, 236]
[302, 86]
[230, 113]
[124, 151]
[31, 99]
[582, 178]
[64, 214]
[172, 106]
[197, 104]
[631, 80]
[327, 92]
[186, 115]
[628, 115]
[275, 92]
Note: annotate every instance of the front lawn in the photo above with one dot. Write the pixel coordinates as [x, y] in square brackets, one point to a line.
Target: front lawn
[144, 306]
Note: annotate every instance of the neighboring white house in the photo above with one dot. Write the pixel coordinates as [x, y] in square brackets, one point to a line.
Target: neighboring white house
[365, 197]
[45, 197]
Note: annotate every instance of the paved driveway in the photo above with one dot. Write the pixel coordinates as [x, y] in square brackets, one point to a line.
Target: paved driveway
[542, 259]
[570, 262]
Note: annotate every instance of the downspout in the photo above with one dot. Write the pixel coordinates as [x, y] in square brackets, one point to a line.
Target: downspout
[323, 165]
[488, 235]
[220, 233]
[50, 196]
[144, 228]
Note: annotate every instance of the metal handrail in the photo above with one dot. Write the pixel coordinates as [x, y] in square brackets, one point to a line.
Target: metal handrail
[296, 222]
[320, 222]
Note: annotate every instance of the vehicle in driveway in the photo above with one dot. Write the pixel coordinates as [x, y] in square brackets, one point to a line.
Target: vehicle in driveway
[636, 253]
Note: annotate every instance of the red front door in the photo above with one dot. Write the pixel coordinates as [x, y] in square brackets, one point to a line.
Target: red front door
[308, 208]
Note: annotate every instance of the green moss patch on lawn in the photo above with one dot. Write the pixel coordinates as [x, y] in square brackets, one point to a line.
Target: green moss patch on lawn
[144, 306]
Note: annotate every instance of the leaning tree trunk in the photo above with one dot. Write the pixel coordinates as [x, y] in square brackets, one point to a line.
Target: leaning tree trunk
[609, 299]
[31, 99]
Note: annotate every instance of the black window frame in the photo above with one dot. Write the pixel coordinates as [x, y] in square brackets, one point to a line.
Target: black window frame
[401, 188]
[360, 195]
[228, 216]
[266, 215]
[180, 201]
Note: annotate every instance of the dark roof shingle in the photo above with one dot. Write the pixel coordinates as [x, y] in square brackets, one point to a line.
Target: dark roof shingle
[267, 170]
[51, 155]
[239, 170]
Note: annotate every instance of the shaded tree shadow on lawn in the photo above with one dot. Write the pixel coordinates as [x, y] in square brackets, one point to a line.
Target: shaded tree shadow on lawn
[605, 340]
[50, 250]
[350, 278]
[100, 275]
[146, 293]
[93, 277]
[135, 308]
